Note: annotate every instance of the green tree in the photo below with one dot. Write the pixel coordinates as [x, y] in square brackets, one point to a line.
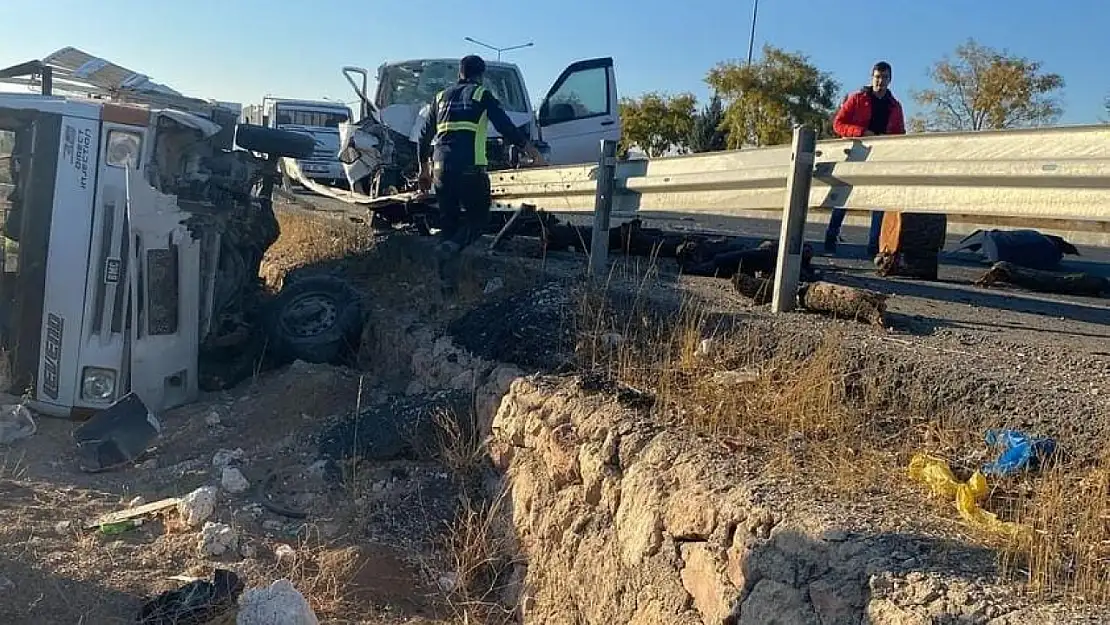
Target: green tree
[765, 99]
[656, 123]
[987, 89]
[708, 133]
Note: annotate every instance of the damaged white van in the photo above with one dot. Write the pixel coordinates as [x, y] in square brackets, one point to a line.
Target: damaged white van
[581, 109]
[132, 238]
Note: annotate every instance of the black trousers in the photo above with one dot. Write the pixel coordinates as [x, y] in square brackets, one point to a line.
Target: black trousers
[464, 199]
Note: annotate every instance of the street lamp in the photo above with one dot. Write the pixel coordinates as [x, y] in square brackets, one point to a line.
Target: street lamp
[499, 50]
[751, 37]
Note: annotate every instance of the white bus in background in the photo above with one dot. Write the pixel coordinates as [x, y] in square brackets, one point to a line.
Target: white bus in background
[318, 118]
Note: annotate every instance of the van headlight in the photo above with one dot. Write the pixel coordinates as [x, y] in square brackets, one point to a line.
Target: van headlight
[123, 149]
[98, 384]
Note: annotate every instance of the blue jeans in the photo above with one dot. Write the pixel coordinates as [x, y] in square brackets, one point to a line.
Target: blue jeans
[832, 232]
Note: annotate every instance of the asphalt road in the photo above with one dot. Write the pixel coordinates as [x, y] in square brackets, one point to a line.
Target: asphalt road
[852, 265]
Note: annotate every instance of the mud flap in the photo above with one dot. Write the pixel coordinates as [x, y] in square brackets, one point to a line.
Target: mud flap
[165, 298]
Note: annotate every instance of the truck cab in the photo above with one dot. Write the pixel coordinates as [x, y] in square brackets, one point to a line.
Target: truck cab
[319, 119]
[578, 111]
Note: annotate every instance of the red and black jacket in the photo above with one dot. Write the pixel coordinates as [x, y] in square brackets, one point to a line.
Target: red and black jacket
[855, 114]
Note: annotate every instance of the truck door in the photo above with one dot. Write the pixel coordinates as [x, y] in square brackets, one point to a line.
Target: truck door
[580, 110]
[165, 297]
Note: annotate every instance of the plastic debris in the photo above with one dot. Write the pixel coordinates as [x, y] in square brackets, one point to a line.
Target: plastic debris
[116, 435]
[198, 601]
[1018, 452]
[120, 527]
[968, 495]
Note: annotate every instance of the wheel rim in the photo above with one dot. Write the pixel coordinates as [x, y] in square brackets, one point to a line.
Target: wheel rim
[310, 314]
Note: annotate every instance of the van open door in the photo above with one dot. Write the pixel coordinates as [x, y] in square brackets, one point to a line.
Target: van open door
[580, 110]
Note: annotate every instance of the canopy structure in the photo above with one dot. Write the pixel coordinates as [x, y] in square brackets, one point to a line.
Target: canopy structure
[70, 71]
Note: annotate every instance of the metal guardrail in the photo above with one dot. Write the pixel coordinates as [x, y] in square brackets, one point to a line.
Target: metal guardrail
[1054, 179]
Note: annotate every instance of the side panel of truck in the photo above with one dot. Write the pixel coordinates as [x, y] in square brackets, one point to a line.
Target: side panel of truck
[74, 186]
[580, 110]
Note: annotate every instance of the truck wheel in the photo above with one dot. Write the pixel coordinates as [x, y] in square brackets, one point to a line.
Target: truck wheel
[274, 142]
[316, 319]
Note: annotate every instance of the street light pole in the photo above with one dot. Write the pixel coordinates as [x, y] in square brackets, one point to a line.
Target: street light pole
[499, 50]
[751, 36]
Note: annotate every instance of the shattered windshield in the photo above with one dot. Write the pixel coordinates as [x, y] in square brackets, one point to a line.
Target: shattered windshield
[418, 83]
[287, 116]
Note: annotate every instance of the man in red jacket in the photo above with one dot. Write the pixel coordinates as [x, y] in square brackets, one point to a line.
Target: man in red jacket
[873, 110]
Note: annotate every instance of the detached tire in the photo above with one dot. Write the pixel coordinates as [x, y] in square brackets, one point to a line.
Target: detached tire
[274, 141]
[316, 319]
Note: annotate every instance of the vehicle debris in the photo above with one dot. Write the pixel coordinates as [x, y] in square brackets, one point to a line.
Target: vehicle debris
[116, 435]
[198, 601]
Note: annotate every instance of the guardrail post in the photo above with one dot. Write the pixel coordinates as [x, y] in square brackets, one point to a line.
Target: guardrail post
[603, 208]
[788, 266]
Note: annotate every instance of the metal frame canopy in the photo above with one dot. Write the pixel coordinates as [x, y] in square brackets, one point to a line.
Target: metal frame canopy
[70, 71]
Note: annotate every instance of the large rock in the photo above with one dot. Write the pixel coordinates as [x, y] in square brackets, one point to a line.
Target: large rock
[278, 604]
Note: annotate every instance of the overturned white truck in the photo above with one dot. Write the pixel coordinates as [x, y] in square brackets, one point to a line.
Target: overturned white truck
[379, 151]
[132, 240]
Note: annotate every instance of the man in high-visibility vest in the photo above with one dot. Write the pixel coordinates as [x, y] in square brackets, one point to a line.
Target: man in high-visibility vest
[458, 120]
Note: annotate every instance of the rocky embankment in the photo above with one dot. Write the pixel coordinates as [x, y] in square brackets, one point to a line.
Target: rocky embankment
[624, 521]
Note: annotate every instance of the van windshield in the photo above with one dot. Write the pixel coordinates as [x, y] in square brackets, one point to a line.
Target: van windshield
[419, 81]
[286, 115]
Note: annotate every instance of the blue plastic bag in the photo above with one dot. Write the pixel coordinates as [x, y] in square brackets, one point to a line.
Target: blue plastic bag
[1018, 452]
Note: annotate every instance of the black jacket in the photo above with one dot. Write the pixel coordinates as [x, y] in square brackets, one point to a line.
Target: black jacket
[458, 121]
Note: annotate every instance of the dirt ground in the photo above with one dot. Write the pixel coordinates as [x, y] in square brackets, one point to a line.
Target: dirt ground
[370, 547]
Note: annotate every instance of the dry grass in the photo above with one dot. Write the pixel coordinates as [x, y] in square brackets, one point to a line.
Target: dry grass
[846, 425]
[461, 448]
[323, 572]
[483, 559]
[1068, 507]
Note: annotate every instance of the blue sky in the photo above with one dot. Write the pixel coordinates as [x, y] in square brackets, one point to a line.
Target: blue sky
[240, 50]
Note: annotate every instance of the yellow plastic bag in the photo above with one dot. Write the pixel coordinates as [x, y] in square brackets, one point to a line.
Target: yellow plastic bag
[935, 473]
